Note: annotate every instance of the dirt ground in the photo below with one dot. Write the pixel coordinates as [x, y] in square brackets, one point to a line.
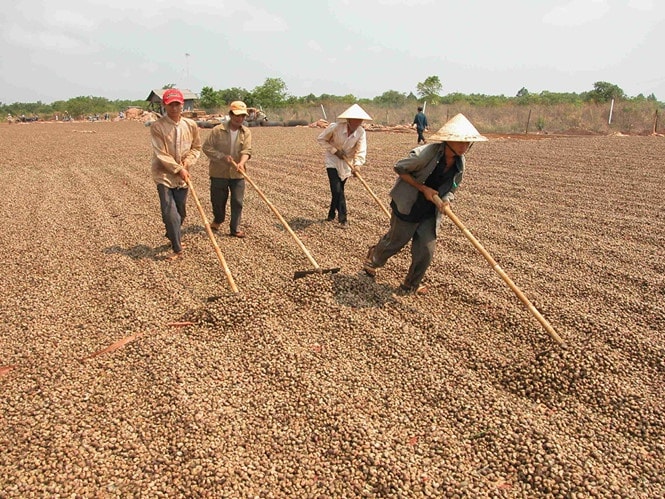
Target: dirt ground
[332, 385]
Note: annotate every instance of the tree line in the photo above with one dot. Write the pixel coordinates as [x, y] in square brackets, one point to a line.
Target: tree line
[273, 94]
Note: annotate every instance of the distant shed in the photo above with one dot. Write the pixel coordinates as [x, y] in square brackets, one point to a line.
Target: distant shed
[156, 105]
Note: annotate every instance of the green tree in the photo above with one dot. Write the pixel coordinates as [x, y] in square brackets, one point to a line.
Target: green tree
[230, 94]
[605, 92]
[272, 93]
[210, 99]
[430, 89]
[391, 98]
[80, 106]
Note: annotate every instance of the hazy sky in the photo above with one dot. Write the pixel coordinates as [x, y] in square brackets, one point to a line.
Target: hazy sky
[121, 49]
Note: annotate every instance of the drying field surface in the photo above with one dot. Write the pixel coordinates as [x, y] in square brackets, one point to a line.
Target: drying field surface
[124, 374]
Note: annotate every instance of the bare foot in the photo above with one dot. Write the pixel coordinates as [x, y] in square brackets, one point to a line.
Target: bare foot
[174, 256]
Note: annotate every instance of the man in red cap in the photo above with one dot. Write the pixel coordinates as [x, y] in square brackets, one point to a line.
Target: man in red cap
[176, 146]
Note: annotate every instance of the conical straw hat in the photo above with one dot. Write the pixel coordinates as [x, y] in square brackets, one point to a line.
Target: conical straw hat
[355, 112]
[457, 129]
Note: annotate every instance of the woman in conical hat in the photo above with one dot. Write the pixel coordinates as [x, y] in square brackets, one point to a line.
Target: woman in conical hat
[345, 145]
[433, 169]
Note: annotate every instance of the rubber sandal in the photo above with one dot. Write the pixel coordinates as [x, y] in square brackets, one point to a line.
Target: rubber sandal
[420, 290]
[369, 270]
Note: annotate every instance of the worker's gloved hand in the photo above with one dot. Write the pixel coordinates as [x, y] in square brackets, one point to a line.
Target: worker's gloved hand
[339, 153]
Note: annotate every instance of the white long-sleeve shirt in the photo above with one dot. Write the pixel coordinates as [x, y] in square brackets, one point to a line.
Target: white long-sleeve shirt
[335, 138]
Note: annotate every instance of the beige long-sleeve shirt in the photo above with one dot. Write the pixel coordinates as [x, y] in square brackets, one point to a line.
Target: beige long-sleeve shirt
[174, 146]
[219, 144]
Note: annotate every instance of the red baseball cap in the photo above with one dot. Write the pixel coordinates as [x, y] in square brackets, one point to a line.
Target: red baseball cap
[172, 95]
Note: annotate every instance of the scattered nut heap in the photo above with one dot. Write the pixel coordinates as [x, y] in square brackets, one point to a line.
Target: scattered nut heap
[123, 374]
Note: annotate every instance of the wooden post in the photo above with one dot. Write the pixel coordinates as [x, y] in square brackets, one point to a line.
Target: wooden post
[609, 121]
[526, 131]
[655, 123]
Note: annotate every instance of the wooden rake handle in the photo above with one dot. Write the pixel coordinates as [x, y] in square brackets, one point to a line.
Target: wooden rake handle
[371, 193]
[218, 251]
[281, 219]
[445, 208]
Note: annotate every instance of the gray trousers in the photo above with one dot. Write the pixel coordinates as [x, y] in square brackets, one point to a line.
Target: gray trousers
[423, 243]
[173, 204]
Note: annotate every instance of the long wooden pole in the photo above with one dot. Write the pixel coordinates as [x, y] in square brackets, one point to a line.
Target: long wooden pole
[445, 208]
[218, 251]
[317, 267]
[356, 173]
[281, 219]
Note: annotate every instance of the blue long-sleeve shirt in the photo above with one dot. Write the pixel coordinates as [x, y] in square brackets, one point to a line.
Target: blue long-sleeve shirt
[420, 120]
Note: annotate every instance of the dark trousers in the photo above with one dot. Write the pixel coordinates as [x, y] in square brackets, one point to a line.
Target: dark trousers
[421, 137]
[337, 197]
[173, 206]
[219, 195]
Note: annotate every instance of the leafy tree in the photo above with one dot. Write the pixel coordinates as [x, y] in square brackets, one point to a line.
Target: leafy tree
[210, 99]
[309, 98]
[453, 98]
[230, 94]
[605, 92]
[391, 98]
[430, 89]
[524, 97]
[344, 99]
[80, 106]
[272, 93]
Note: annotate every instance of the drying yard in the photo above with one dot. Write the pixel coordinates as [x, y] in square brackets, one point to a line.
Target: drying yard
[123, 374]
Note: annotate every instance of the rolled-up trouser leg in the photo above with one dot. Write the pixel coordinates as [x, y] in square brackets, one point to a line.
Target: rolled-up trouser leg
[423, 246]
[399, 234]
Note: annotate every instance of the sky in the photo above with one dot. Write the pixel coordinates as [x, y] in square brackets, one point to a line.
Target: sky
[54, 50]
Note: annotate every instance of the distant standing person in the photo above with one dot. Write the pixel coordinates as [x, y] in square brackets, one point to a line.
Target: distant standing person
[176, 146]
[420, 122]
[228, 142]
[429, 170]
[345, 142]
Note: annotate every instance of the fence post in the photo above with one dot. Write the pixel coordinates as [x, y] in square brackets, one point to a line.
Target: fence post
[655, 123]
[609, 121]
[526, 130]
